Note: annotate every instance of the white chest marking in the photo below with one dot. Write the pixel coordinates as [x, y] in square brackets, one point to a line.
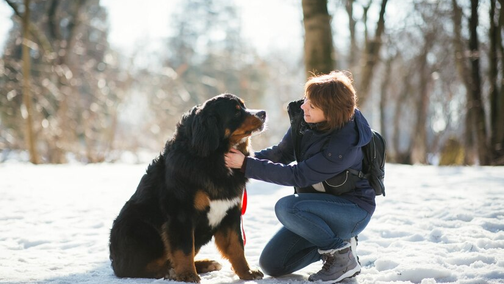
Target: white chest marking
[218, 209]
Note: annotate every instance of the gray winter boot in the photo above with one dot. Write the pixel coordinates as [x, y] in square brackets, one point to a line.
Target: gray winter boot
[354, 242]
[339, 264]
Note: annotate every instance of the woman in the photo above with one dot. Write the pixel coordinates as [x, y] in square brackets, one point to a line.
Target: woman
[325, 139]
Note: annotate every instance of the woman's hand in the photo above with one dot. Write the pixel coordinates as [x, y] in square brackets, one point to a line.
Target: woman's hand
[234, 159]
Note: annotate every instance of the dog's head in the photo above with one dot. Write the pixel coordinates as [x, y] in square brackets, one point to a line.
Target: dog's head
[224, 122]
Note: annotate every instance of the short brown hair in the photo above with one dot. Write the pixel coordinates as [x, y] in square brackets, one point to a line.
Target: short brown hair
[335, 95]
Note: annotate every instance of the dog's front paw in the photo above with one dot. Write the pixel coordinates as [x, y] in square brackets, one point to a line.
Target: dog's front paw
[188, 277]
[183, 277]
[252, 275]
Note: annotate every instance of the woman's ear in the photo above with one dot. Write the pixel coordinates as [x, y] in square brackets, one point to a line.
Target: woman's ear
[205, 134]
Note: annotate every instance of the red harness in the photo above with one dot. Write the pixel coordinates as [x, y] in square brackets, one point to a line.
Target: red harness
[243, 210]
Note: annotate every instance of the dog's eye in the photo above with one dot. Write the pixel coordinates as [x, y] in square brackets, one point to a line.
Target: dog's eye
[237, 113]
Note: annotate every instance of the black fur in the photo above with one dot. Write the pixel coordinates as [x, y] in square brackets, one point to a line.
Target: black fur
[165, 223]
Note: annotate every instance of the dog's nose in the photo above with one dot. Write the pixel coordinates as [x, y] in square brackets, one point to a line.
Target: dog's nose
[261, 114]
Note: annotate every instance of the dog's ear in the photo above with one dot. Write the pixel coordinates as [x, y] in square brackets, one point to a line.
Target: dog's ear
[205, 134]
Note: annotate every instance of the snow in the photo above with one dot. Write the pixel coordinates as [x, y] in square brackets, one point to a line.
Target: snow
[436, 225]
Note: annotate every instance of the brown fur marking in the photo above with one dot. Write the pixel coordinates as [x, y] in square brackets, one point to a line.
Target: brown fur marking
[201, 201]
[250, 124]
[164, 237]
[244, 147]
[158, 268]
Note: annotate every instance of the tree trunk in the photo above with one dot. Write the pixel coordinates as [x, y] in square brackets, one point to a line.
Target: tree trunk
[37, 33]
[500, 101]
[352, 60]
[475, 103]
[496, 120]
[65, 137]
[383, 95]
[27, 100]
[371, 57]
[318, 46]
[465, 77]
[419, 147]
[403, 157]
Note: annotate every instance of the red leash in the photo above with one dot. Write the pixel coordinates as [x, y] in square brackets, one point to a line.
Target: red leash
[244, 201]
[243, 210]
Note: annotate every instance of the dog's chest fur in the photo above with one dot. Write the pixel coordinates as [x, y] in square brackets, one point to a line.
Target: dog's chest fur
[218, 209]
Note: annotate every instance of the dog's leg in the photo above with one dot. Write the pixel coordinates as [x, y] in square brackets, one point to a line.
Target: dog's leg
[180, 247]
[229, 242]
[183, 267]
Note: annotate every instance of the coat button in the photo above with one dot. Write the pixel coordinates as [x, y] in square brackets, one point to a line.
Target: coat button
[340, 156]
[329, 154]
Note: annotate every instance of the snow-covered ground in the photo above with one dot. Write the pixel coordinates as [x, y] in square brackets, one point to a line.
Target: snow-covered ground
[436, 225]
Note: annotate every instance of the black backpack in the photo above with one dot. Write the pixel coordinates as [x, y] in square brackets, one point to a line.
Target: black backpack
[373, 169]
[373, 164]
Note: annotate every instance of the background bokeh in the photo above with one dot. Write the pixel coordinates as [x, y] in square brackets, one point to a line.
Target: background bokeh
[108, 80]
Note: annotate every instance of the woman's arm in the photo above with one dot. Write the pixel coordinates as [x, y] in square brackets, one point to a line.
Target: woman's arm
[308, 172]
[281, 153]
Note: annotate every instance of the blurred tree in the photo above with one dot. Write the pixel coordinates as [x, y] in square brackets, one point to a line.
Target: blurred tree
[463, 70]
[76, 83]
[425, 68]
[496, 97]
[383, 97]
[27, 100]
[371, 55]
[318, 45]
[475, 103]
[354, 47]
[421, 91]
[206, 56]
[405, 74]
[419, 73]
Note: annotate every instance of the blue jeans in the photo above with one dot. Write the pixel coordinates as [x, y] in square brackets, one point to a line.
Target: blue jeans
[311, 221]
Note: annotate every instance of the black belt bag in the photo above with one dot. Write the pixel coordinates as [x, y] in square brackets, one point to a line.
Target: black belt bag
[342, 183]
[337, 185]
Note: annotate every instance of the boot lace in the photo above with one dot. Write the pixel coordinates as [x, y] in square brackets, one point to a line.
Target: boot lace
[328, 261]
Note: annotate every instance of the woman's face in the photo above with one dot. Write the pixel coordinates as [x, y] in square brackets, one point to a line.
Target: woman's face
[312, 114]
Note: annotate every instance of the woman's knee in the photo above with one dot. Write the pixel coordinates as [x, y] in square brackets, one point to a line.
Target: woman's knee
[284, 206]
[270, 265]
[283, 203]
[361, 225]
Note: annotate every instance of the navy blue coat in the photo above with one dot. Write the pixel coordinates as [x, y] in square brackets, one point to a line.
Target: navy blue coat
[322, 156]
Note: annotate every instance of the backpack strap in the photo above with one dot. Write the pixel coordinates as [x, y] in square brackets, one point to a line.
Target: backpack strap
[357, 173]
[296, 120]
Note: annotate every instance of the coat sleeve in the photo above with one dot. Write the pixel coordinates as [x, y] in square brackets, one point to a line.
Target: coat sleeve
[317, 168]
[281, 153]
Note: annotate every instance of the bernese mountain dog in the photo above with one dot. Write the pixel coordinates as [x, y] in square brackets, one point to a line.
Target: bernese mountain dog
[187, 196]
